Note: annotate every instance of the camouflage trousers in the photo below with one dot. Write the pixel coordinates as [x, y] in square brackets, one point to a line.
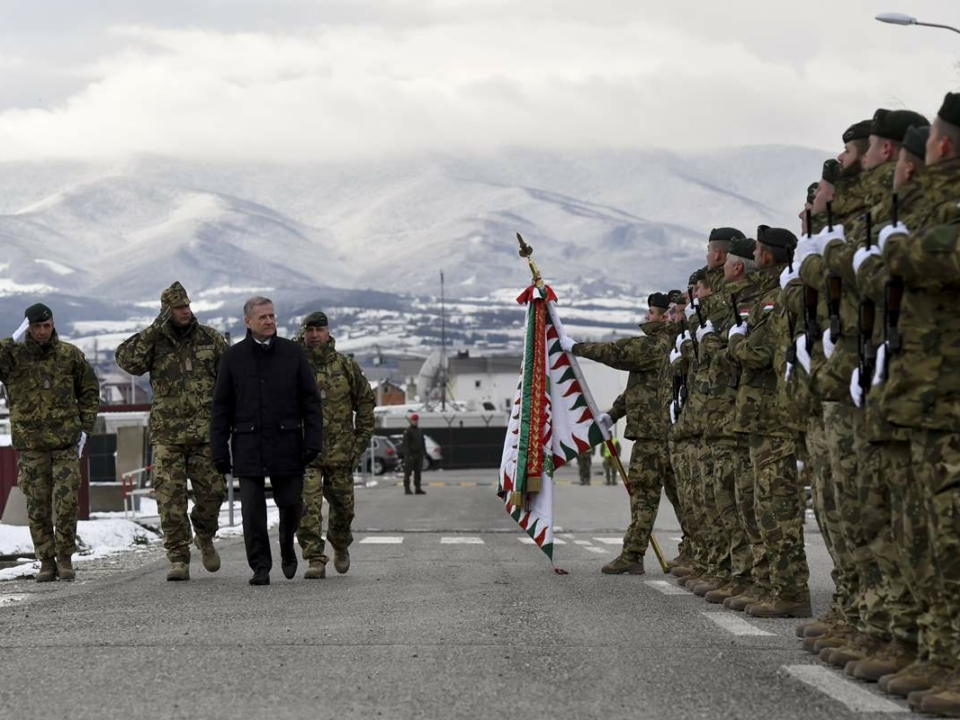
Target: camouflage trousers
[844, 467]
[688, 511]
[936, 462]
[610, 476]
[649, 467]
[50, 482]
[172, 466]
[823, 495]
[731, 460]
[780, 512]
[718, 548]
[335, 483]
[584, 466]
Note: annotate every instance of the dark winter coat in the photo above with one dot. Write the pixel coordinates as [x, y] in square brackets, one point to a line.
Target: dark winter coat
[267, 404]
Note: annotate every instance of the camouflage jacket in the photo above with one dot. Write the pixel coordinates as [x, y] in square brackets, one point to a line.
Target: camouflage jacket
[53, 393]
[641, 401]
[183, 368]
[722, 377]
[761, 354]
[344, 391]
[695, 363]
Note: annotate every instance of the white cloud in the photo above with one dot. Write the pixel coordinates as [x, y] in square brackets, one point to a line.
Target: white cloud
[471, 75]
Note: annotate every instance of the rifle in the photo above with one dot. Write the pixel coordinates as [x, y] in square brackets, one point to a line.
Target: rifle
[892, 298]
[811, 329]
[867, 352]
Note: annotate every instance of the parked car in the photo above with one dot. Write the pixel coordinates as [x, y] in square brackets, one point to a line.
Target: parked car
[432, 458]
[385, 456]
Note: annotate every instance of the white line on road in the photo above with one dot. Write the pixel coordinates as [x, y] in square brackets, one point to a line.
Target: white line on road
[531, 541]
[734, 625]
[830, 683]
[667, 588]
[595, 549]
[585, 543]
[457, 540]
[382, 540]
[609, 541]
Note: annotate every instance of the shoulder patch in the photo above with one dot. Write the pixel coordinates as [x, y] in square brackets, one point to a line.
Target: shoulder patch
[768, 306]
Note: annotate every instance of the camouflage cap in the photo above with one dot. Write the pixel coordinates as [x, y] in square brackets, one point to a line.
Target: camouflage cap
[174, 296]
[915, 141]
[658, 300]
[316, 319]
[699, 275]
[38, 313]
[812, 191]
[725, 233]
[743, 248]
[677, 297]
[950, 109]
[832, 171]
[857, 131]
[893, 124]
[776, 237]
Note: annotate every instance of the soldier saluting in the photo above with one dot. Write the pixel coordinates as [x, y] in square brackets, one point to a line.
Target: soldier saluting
[54, 398]
[182, 357]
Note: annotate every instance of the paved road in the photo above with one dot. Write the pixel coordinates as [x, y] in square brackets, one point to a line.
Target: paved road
[446, 613]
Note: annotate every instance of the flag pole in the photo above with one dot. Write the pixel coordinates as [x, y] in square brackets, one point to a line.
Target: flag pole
[527, 252]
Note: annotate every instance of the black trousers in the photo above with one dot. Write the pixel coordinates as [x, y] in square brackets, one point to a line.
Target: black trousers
[288, 495]
[415, 465]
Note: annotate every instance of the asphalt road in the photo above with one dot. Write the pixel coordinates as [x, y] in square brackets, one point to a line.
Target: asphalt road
[445, 613]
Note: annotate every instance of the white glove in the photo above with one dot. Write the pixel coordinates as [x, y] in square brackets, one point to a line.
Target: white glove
[567, 343]
[673, 413]
[606, 421]
[788, 275]
[803, 357]
[83, 441]
[740, 329]
[886, 232]
[705, 330]
[690, 310]
[880, 370]
[20, 331]
[685, 338]
[856, 392]
[861, 255]
[827, 236]
[828, 346]
[675, 355]
[788, 372]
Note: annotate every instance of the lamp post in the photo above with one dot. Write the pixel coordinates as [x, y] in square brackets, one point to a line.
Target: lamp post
[895, 18]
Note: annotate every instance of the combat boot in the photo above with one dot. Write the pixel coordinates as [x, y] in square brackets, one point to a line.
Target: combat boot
[945, 704]
[921, 675]
[690, 580]
[316, 571]
[775, 608]
[341, 560]
[681, 570]
[728, 591]
[915, 699]
[856, 649]
[740, 602]
[817, 627]
[893, 659]
[179, 571]
[704, 586]
[838, 638]
[208, 553]
[65, 568]
[48, 571]
[623, 565]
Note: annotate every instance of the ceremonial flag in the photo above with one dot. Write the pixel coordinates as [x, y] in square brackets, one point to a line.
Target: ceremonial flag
[554, 418]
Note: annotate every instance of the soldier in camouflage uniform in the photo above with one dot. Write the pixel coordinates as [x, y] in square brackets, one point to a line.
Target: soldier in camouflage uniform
[347, 402]
[646, 418]
[182, 357]
[54, 397]
[758, 345]
[584, 465]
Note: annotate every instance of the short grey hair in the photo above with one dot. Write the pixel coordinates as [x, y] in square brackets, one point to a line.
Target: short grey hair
[253, 302]
[749, 265]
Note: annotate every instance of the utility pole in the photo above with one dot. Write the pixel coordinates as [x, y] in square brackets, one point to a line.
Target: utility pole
[443, 349]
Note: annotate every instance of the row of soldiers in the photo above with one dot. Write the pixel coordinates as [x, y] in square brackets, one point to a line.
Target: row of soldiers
[832, 358]
[54, 400]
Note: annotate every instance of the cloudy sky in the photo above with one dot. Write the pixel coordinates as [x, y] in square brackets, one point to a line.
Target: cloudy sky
[338, 79]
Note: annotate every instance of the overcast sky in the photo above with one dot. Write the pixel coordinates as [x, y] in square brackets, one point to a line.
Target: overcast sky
[338, 79]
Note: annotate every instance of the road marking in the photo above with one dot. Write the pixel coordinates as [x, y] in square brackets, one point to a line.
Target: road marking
[531, 541]
[382, 540]
[585, 543]
[459, 540]
[609, 541]
[667, 588]
[832, 684]
[595, 549]
[734, 625]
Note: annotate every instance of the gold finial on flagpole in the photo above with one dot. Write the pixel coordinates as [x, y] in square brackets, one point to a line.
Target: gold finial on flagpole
[526, 251]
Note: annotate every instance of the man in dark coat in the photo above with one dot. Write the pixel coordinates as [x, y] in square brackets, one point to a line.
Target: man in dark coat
[267, 405]
[413, 451]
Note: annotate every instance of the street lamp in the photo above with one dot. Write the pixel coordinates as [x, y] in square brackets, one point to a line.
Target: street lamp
[895, 18]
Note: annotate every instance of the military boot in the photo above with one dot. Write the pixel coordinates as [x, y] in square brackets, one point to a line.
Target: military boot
[915, 699]
[893, 659]
[917, 677]
[722, 594]
[623, 565]
[778, 608]
[835, 639]
[208, 553]
[681, 570]
[945, 704]
[817, 627]
[179, 571]
[690, 580]
[858, 647]
[316, 571]
[48, 571]
[706, 585]
[341, 560]
[65, 568]
[740, 602]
